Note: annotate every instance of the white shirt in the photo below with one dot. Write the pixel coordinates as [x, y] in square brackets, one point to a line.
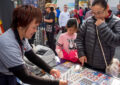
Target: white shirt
[64, 17]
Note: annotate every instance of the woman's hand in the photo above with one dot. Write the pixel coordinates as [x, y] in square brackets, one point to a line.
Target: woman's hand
[63, 82]
[55, 73]
[83, 59]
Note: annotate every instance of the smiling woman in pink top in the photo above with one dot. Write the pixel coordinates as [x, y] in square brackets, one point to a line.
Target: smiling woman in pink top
[66, 47]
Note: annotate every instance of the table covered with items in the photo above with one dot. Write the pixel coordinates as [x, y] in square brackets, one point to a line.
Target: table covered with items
[77, 75]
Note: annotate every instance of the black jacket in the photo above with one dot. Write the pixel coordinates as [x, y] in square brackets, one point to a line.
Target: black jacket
[88, 45]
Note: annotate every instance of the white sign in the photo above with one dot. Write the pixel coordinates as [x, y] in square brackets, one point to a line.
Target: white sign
[113, 3]
[60, 3]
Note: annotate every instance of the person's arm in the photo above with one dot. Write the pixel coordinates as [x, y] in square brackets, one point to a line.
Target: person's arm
[59, 46]
[11, 57]
[27, 77]
[48, 20]
[60, 19]
[80, 40]
[59, 51]
[31, 56]
[52, 18]
[110, 36]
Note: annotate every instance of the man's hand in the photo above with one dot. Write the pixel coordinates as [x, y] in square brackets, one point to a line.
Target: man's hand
[55, 73]
[83, 59]
[99, 22]
[63, 82]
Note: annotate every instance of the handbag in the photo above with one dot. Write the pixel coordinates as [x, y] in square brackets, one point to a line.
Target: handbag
[57, 28]
[48, 28]
[109, 68]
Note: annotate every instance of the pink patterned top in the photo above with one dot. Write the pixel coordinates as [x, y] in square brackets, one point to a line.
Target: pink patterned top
[66, 47]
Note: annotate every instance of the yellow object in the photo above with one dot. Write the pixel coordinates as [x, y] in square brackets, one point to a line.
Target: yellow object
[81, 3]
[0, 22]
[50, 5]
[47, 5]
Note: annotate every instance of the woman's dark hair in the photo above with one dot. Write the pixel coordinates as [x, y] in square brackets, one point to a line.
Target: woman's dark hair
[103, 3]
[72, 22]
[24, 15]
[52, 9]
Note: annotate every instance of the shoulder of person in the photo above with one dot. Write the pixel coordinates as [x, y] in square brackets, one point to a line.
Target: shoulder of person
[63, 35]
[115, 18]
[62, 12]
[9, 44]
[90, 19]
[7, 38]
[68, 12]
[52, 13]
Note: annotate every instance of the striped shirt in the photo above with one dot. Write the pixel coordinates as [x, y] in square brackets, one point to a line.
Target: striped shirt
[10, 52]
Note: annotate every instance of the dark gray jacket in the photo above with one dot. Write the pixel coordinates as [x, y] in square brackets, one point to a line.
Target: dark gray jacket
[88, 45]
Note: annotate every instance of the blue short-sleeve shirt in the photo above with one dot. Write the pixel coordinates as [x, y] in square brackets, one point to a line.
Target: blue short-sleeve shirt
[10, 51]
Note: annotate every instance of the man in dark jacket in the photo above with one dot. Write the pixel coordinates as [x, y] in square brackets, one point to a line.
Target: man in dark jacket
[108, 26]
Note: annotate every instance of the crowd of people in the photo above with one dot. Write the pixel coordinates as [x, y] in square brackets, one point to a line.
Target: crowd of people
[90, 42]
[89, 36]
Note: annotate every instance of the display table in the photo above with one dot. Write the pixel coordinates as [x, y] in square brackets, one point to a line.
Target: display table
[83, 75]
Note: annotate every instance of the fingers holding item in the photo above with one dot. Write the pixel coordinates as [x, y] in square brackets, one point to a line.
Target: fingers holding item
[55, 73]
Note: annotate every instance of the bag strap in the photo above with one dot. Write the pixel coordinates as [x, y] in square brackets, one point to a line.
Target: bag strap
[101, 47]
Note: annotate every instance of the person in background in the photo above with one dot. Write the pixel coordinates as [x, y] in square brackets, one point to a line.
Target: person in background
[88, 45]
[66, 47]
[76, 16]
[50, 23]
[64, 17]
[88, 14]
[85, 11]
[71, 13]
[58, 14]
[15, 46]
[81, 15]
